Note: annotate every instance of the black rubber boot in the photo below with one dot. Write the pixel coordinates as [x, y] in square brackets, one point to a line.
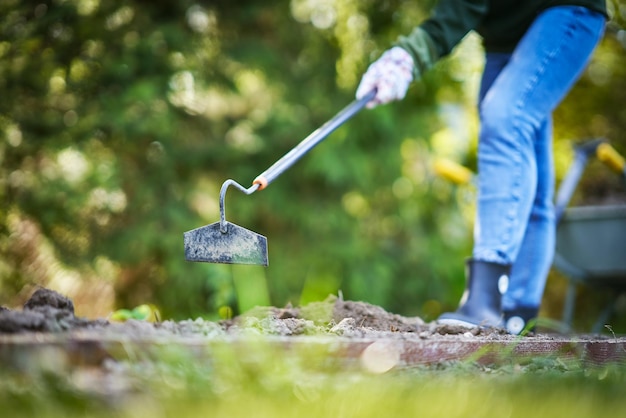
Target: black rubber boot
[481, 304]
[517, 320]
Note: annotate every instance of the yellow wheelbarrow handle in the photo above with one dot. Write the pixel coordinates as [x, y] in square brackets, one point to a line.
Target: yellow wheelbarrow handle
[609, 156]
[453, 171]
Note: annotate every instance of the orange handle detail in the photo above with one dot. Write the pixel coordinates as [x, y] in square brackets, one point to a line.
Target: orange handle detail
[261, 181]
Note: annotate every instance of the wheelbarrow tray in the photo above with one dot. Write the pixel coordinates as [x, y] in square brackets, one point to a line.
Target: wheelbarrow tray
[591, 245]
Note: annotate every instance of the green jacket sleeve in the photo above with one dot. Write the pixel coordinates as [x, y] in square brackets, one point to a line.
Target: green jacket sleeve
[438, 35]
[421, 48]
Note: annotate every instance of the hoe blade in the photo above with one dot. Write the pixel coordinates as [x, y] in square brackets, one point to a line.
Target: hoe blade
[235, 246]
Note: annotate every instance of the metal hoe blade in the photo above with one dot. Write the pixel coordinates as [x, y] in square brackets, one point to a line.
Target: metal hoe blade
[225, 242]
[235, 246]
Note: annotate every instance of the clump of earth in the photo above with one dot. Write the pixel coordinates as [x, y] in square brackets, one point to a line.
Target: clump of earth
[48, 311]
[45, 311]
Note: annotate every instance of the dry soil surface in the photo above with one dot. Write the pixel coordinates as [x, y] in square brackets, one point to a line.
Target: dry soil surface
[50, 312]
[344, 329]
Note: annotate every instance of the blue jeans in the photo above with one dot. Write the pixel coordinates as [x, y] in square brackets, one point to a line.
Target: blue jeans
[515, 221]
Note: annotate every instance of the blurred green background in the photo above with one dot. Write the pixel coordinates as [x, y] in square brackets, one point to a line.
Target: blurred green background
[120, 121]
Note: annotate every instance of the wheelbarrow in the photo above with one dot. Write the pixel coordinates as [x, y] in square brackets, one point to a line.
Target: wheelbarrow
[591, 240]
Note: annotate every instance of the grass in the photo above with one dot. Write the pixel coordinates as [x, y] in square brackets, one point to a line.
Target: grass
[255, 380]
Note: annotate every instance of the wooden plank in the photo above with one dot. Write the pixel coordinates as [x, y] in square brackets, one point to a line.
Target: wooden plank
[91, 350]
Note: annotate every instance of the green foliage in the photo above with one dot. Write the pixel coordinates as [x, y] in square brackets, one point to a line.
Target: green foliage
[140, 313]
[120, 122]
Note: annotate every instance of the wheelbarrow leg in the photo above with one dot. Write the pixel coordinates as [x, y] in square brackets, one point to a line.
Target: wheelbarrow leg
[570, 302]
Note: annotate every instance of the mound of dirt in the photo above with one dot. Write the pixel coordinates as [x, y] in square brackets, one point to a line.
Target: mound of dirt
[45, 311]
[49, 311]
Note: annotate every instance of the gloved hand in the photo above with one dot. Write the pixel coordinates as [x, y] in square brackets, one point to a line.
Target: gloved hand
[391, 75]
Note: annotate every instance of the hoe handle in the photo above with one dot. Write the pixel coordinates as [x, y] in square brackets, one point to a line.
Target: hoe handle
[265, 178]
[292, 156]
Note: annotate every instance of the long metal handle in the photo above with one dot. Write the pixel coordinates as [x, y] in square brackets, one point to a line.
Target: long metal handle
[269, 175]
[292, 156]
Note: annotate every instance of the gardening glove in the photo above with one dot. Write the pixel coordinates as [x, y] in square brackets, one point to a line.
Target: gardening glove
[390, 75]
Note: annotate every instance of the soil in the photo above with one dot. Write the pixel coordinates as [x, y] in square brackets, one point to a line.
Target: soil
[45, 311]
[50, 312]
[346, 330]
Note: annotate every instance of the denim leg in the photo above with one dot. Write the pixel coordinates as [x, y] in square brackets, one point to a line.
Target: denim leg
[514, 222]
[530, 269]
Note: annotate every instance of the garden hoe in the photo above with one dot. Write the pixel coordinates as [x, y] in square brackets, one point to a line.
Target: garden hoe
[224, 242]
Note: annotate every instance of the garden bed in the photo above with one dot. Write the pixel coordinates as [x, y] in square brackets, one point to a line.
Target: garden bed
[331, 358]
[346, 331]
